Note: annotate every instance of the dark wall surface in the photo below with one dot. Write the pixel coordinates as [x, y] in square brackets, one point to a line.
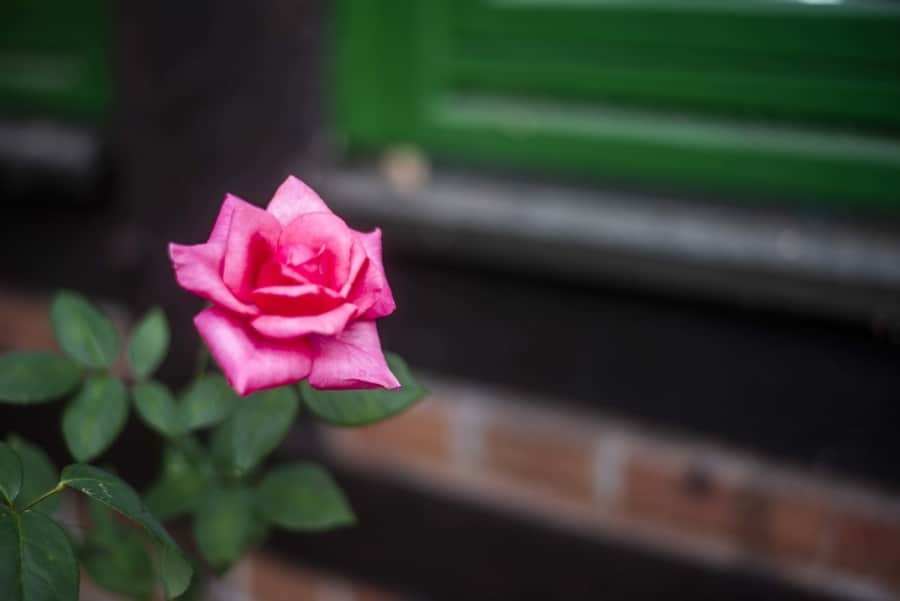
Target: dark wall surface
[228, 97]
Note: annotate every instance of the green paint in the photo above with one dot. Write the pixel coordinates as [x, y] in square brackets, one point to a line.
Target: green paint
[54, 60]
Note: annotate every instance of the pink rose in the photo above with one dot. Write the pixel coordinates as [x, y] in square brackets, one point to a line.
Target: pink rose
[296, 293]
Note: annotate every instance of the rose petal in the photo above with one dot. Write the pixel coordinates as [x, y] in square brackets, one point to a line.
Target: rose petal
[299, 300]
[249, 361]
[352, 359]
[315, 230]
[197, 270]
[252, 240]
[299, 254]
[371, 292]
[219, 232]
[294, 198]
[272, 273]
[358, 262]
[328, 323]
[295, 277]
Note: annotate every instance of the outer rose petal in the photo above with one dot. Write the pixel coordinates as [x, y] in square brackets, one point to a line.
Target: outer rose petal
[371, 293]
[219, 233]
[358, 262]
[327, 324]
[252, 240]
[294, 198]
[251, 362]
[352, 359]
[197, 270]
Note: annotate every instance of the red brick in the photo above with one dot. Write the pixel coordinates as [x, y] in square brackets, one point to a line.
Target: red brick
[276, 580]
[794, 526]
[552, 460]
[661, 491]
[25, 322]
[868, 545]
[422, 432]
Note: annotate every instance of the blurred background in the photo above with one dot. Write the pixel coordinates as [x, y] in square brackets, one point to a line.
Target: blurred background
[645, 253]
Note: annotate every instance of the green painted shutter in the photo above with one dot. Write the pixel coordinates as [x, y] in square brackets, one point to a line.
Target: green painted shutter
[779, 100]
[54, 60]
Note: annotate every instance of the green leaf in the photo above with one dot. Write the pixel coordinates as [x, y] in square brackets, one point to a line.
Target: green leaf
[226, 526]
[303, 496]
[257, 427]
[149, 343]
[207, 402]
[36, 377]
[36, 559]
[115, 555]
[156, 407]
[110, 490]
[38, 476]
[220, 447]
[10, 473]
[181, 487]
[83, 331]
[197, 591]
[363, 407]
[93, 419]
[103, 522]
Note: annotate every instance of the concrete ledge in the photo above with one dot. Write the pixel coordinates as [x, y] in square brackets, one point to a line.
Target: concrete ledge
[737, 253]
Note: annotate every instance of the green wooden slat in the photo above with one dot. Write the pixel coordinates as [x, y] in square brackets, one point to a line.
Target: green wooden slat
[54, 59]
[788, 164]
[754, 94]
[559, 48]
[780, 28]
[806, 62]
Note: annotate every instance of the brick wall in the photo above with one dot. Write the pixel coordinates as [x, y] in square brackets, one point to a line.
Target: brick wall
[25, 321]
[594, 473]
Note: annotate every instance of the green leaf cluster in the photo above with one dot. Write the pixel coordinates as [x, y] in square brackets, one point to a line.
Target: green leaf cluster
[219, 479]
[231, 500]
[96, 408]
[38, 561]
[207, 402]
